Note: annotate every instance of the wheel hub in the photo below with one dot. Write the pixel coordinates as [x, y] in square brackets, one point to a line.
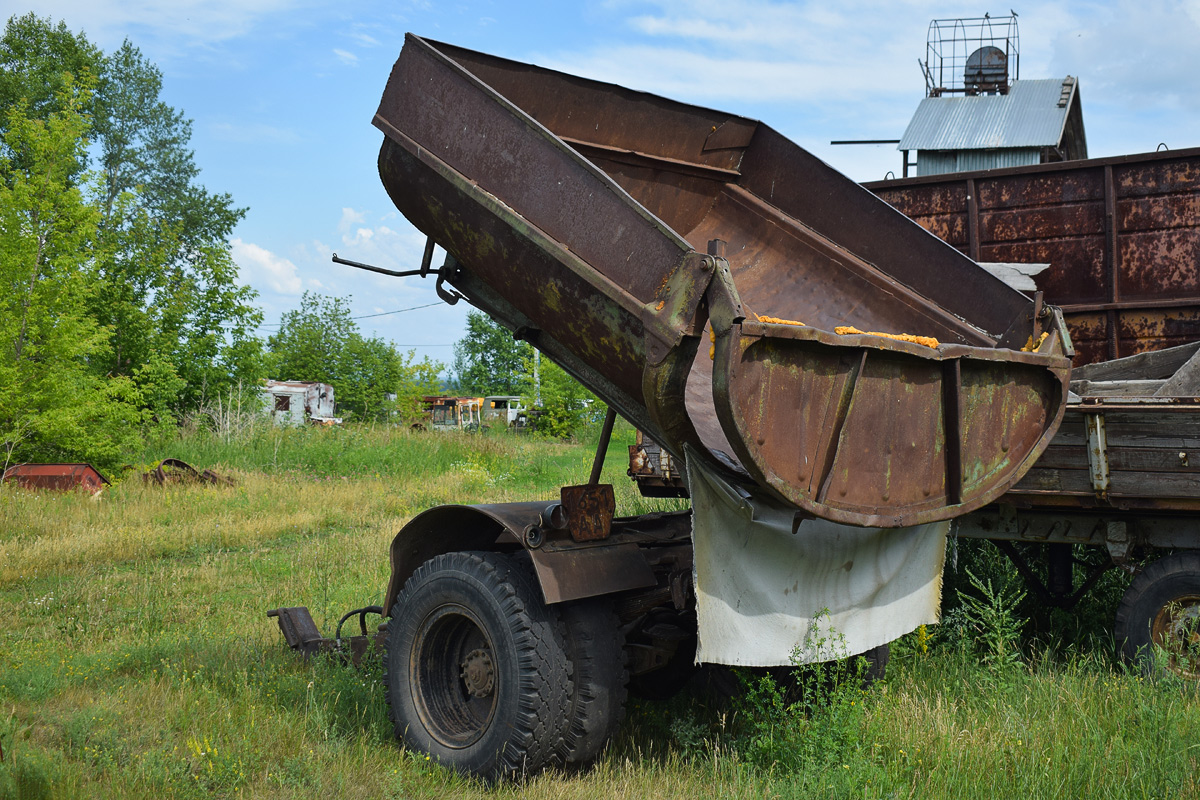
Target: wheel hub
[477, 673]
[1176, 629]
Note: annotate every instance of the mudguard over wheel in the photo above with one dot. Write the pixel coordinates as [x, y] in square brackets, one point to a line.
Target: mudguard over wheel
[1158, 621]
[476, 668]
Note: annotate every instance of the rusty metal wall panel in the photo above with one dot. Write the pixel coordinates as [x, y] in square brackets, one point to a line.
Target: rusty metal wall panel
[1122, 236]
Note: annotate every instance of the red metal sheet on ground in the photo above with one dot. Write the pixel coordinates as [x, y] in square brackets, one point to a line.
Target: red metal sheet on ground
[55, 476]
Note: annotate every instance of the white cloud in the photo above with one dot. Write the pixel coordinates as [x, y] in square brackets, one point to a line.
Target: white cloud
[259, 267]
[205, 21]
[363, 39]
[1119, 64]
[755, 51]
[350, 218]
[345, 56]
[253, 133]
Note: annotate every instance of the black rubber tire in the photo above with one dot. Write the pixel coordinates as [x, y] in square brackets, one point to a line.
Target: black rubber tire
[667, 681]
[877, 661]
[1164, 596]
[476, 621]
[596, 649]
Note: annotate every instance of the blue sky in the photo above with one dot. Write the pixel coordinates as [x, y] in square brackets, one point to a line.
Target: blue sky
[281, 93]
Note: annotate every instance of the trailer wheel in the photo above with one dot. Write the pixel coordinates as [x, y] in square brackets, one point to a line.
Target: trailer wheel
[876, 666]
[1158, 620]
[476, 669]
[596, 649]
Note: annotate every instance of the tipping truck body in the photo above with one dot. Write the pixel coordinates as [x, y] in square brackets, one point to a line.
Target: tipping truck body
[581, 214]
[832, 382]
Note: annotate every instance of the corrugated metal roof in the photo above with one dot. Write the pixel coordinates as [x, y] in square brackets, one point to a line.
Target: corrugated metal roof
[1032, 114]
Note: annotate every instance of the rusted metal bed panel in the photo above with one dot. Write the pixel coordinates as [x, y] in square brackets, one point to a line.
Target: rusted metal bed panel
[1122, 236]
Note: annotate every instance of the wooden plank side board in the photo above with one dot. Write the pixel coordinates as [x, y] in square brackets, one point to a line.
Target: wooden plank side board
[1118, 388]
[1186, 380]
[1059, 481]
[1164, 486]
[1180, 432]
[1159, 364]
[1154, 459]
[1152, 454]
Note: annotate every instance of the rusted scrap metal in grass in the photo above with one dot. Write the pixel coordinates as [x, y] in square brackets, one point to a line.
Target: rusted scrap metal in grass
[301, 633]
[58, 477]
[171, 471]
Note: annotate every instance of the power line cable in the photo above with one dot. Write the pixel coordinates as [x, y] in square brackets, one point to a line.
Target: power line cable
[365, 316]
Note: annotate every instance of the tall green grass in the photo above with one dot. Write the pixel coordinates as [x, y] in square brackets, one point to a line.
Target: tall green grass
[136, 659]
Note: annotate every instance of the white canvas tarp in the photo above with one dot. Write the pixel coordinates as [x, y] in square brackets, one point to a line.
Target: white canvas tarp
[767, 597]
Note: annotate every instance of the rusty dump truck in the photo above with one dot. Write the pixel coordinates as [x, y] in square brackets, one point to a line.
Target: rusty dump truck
[834, 384]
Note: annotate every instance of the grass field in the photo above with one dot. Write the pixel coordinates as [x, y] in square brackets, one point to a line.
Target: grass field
[136, 660]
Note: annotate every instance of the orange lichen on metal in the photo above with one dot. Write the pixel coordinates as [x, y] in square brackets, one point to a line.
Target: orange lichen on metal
[660, 305]
[712, 348]
[778, 321]
[1030, 347]
[927, 341]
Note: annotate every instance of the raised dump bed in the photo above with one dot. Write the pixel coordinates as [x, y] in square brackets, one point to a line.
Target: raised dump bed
[712, 282]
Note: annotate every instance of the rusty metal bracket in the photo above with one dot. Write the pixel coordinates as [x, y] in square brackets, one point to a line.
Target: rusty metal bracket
[589, 510]
[1097, 453]
[677, 310]
[567, 575]
[724, 303]
[299, 630]
[448, 295]
[1117, 540]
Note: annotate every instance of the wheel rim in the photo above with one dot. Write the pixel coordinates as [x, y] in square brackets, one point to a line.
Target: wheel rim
[453, 676]
[1176, 630]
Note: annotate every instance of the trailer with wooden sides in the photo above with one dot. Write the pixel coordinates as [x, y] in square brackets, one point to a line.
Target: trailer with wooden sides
[820, 371]
[1118, 478]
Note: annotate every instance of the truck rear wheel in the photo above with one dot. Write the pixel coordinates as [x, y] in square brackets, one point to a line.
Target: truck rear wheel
[1158, 620]
[597, 652]
[476, 668]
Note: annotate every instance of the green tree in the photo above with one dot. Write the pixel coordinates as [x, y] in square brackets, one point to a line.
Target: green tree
[566, 405]
[53, 403]
[371, 379]
[488, 360]
[38, 61]
[165, 282]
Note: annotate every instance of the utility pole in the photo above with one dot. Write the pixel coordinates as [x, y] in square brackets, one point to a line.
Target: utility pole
[537, 379]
